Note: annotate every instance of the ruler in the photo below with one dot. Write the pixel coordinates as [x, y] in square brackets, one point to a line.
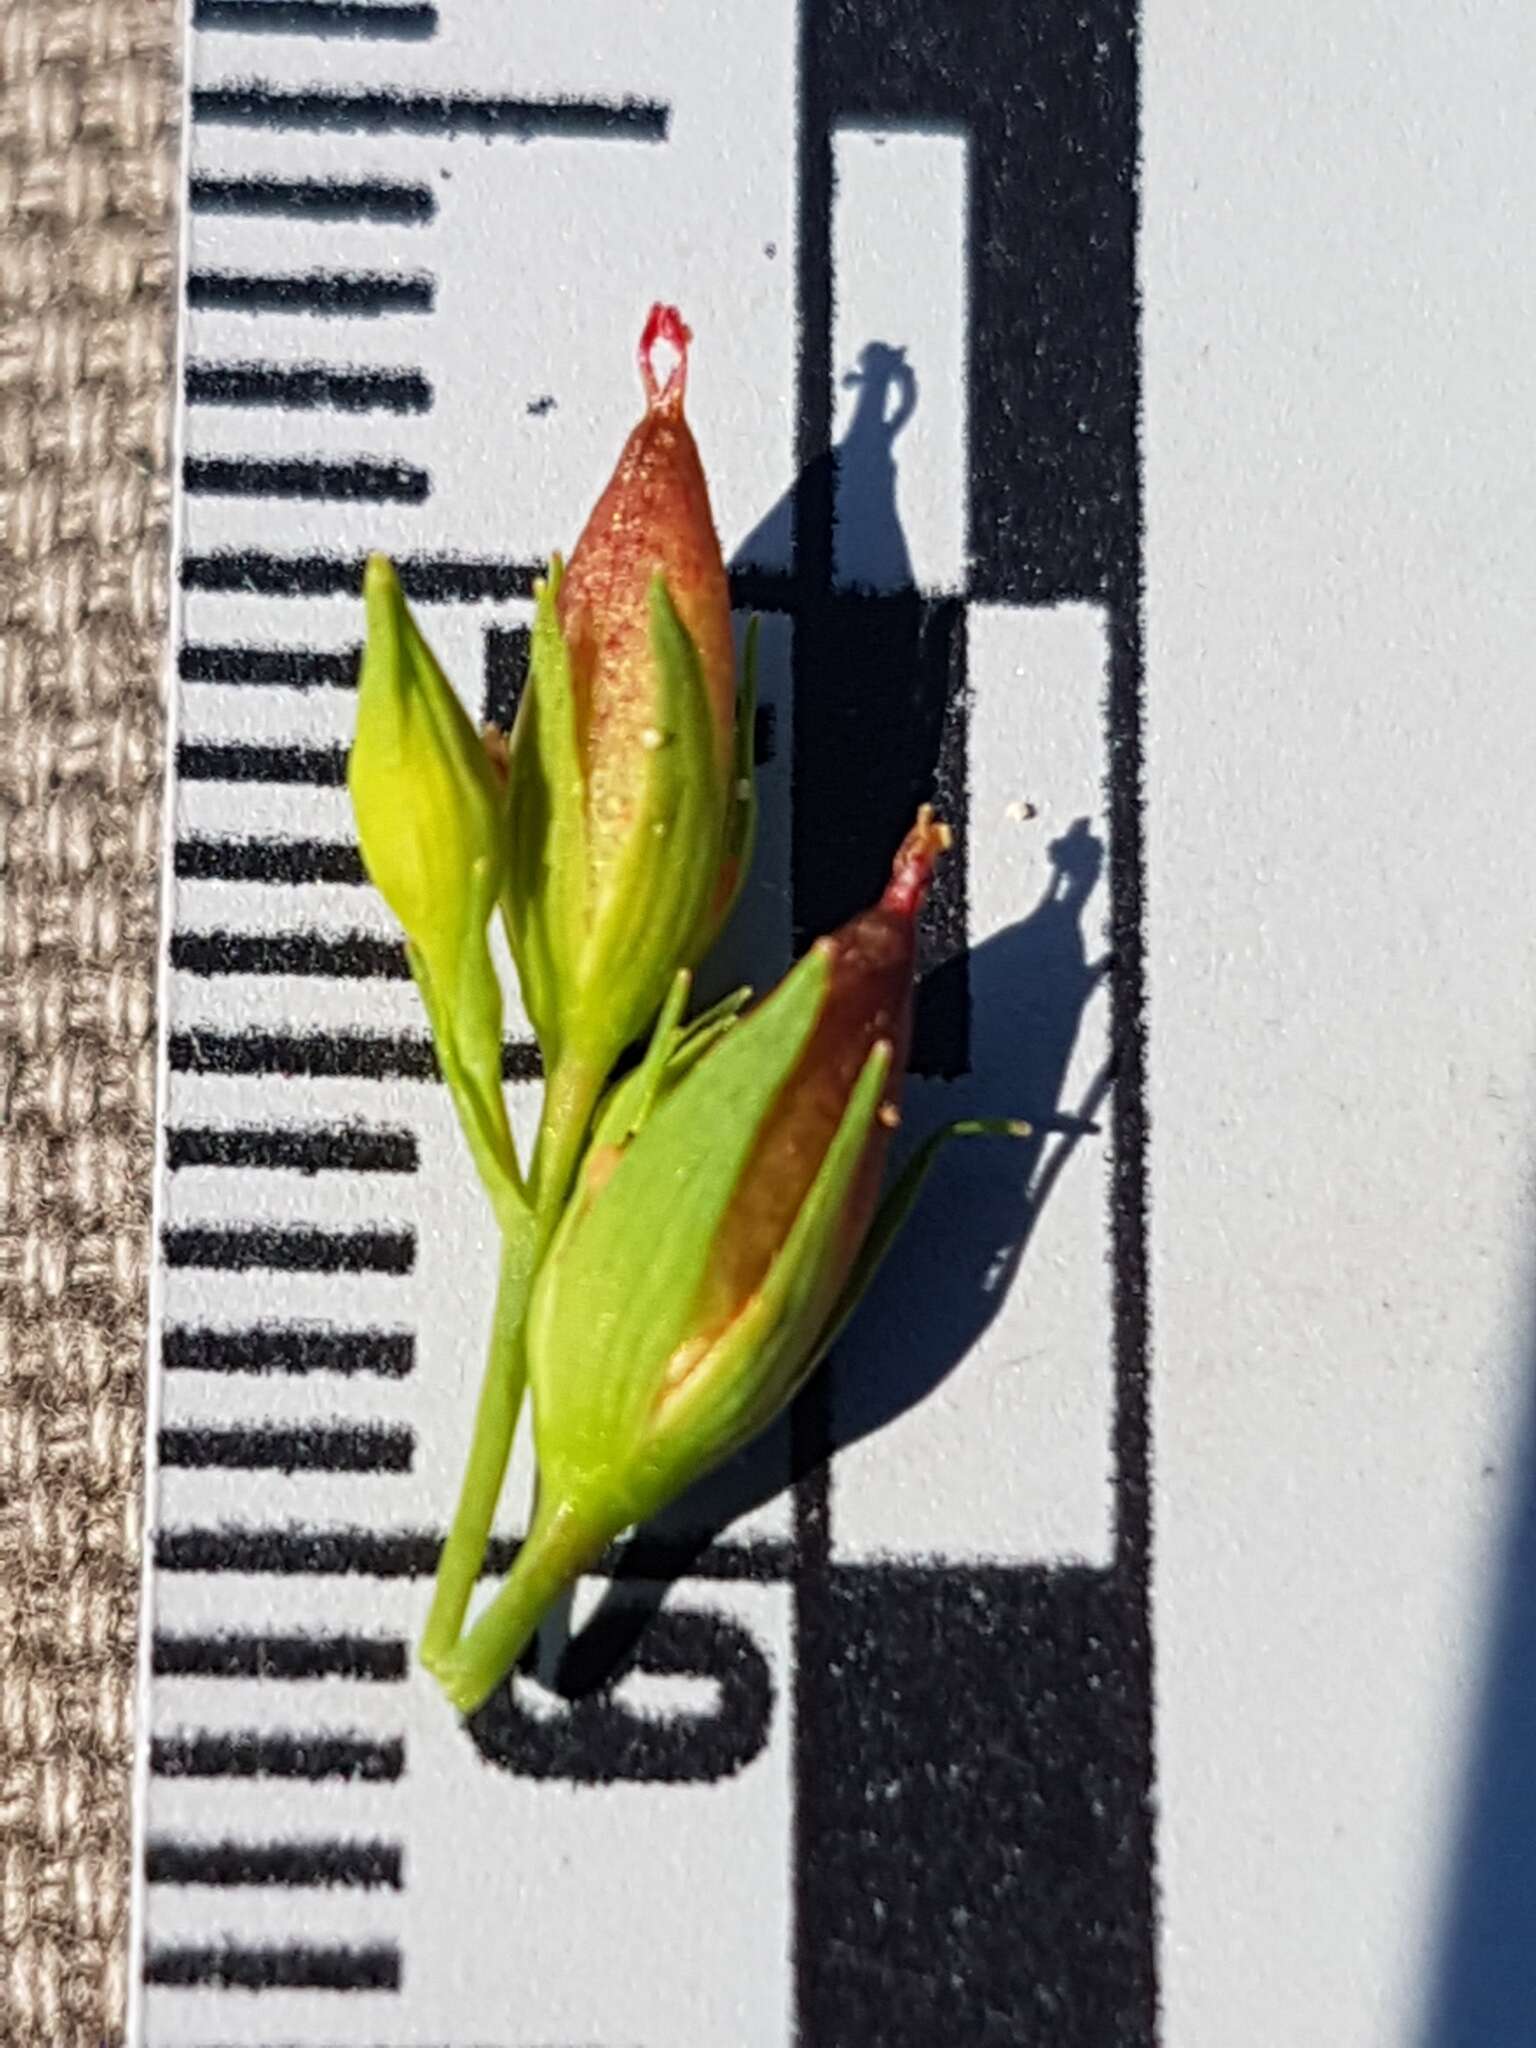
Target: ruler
[855, 1747]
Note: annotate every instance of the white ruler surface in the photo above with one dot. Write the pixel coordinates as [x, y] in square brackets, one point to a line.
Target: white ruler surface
[856, 1748]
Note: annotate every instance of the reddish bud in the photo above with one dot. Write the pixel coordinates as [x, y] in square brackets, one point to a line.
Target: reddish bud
[868, 999]
[653, 517]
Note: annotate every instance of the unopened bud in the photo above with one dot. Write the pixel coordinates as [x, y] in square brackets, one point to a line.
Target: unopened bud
[628, 837]
[709, 1248]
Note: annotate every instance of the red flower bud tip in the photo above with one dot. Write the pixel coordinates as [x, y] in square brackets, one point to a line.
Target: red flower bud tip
[653, 516]
[665, 323]
[912, 869]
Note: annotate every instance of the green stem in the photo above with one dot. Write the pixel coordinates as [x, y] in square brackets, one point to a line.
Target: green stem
[560, 1546]
[501, 1396]
[568, 1102]
[570, 1096]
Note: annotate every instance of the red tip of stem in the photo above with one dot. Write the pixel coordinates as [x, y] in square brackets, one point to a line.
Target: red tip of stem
[916, 858]
[664, 323]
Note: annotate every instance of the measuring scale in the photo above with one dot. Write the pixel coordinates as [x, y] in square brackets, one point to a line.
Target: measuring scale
[855, 1747]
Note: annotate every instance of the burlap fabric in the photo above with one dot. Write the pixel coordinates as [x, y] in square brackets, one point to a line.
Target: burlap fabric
[88, 107]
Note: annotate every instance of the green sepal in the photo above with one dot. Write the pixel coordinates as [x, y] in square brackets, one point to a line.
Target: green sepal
[769, 1350]
[544, 900]
[615, 1296]
[630, 1100]
[656, 894]
[674, 1050]
[740, 834]
[894, 1210]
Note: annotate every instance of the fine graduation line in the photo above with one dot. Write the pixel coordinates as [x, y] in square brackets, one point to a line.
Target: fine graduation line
[400, 23]
[295, 1551]
[294, 1968]
[290, 1250]
[297, 1148]
[367, 1866]
[328, 1055]
[361, 294]
[359, 481]
[352, 1447]
[288, 861]
[206, 761]
[327, 199]
[375, 1660]
[307, 387]
[257, 104]
[343, 956]
[293, 1348]
[284, 668]
[428, 579]
[258, 1753]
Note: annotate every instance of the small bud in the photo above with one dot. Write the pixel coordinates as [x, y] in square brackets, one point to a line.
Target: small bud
[626, 840]
[429, 801]
[709, 1248]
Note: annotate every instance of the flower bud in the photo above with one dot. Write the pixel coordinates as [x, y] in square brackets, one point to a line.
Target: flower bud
[630, 811]
[706, 1256]
[430, 805]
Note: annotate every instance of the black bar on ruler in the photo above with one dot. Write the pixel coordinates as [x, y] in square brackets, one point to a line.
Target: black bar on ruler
[366, 1866]
[376, 1660]
[295, 1551]
[359, 481]
[397, 23]
[344, 1055]
[329, 199]
[308, 387]
[429, 579]
[347, 956]
[351, 1447]
[764, 735]
[506, 673]
[386, 112]
[361, 293]
[288, 1348]
[949, 1716]
[294, 1968]
[276, 1249]
[260, 1753]
[283, 668]
[288, 862]
[295, 1148]
[205, 761]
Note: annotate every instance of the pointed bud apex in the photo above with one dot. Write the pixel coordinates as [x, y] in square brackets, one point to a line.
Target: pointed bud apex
[627, 749]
